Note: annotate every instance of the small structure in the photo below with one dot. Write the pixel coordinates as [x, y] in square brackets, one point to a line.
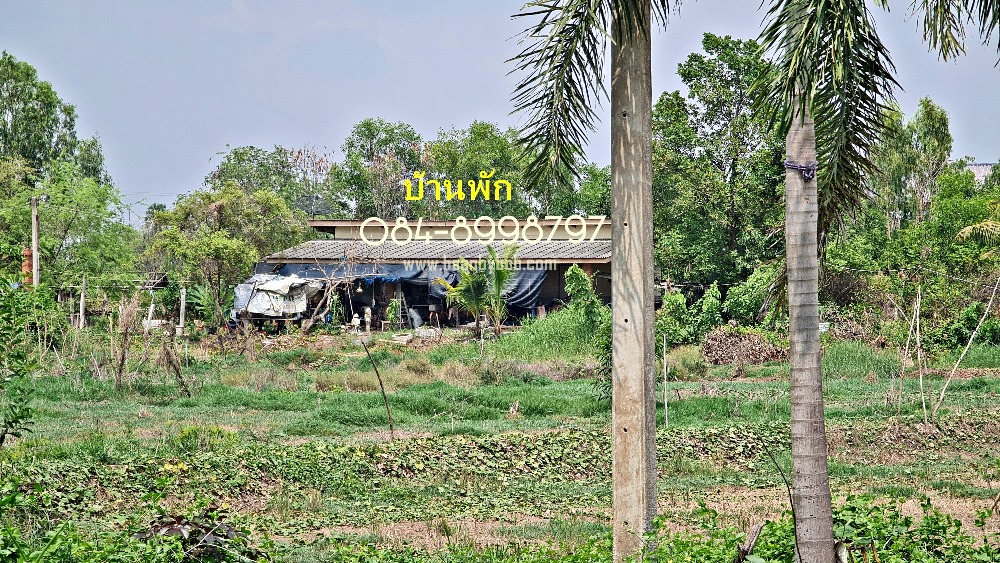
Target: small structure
[981, 171]
[374, 261]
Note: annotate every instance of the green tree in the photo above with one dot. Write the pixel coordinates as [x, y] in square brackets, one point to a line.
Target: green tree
[909, 162]
[35, 123]
[80, 228]
[213, 237]
[717, 197]
[482, 287]
[378, 155]
[462, 154]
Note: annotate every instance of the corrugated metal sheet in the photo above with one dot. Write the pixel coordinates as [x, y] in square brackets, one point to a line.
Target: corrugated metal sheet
[560, 251]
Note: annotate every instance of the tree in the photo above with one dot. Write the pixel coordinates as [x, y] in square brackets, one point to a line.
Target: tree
[564, 62]
[214, 237]
[80, 232]
[832, 66]
[35, 123]
[254, 169]
[462, 154]
[716, 168]
[909, 161]
[470, 292]
[499, 276]
[377, 156]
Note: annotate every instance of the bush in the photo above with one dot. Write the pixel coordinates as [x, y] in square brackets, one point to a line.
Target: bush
[22, 313]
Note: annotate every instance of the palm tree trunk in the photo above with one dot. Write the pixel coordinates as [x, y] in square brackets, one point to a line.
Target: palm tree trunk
[633, 416]
[811, 502]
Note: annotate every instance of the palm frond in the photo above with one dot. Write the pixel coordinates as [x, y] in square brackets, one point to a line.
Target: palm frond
[944, 23]
[831, 60]
[563, 60]
[987, 231]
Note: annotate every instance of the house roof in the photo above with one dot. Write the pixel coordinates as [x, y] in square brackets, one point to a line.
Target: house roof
[557, 251]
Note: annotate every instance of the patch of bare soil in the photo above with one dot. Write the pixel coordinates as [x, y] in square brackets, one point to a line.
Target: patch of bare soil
[743, 508]
[737, 506]
[961, 373]
[963, 509]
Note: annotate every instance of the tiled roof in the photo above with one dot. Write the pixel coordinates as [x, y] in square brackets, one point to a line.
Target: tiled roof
[445, 250]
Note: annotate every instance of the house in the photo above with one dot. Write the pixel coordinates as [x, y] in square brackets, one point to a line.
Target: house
[374, 260]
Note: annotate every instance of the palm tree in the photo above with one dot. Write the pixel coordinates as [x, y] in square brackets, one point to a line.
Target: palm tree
[470, 292]
[832, 65]
[499, 276]
[564, 62]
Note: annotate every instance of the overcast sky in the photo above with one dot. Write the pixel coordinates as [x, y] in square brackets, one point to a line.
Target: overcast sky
[167, 86]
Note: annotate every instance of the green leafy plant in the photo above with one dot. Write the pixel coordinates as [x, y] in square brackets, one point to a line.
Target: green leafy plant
[17, 305]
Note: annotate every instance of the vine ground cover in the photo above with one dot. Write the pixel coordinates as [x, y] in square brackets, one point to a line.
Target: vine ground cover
[515, 470]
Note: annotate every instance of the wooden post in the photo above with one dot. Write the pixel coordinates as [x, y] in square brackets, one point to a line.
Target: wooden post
[180, 325]
[34, 242]
[83, 303]
[633, 375]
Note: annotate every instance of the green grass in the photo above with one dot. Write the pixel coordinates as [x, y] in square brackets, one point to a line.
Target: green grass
[293, 459]
[849, 359]
[978, 356]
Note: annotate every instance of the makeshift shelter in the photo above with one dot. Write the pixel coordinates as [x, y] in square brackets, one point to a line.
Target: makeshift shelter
[369, 276]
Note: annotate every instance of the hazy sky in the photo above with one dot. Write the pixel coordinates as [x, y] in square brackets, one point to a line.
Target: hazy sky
[167, 86]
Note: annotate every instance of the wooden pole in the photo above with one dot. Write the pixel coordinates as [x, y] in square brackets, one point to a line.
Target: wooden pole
[34, 242]
[83, 303]
[920, 362]
[633, 375]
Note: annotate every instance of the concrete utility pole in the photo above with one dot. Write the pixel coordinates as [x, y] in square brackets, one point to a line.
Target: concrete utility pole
[633, 375]
[83, 303]
[34, 242]
[180, 323]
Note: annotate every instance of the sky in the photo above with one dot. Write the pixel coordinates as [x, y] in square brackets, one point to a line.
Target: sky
[168, 87]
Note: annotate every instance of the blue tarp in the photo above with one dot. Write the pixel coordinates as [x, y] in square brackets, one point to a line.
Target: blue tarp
[525, 285]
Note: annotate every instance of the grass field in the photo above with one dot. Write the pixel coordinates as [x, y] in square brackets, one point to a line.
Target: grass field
[488, 458]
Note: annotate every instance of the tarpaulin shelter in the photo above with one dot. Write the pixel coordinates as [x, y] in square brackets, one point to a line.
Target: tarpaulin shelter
[378, 272]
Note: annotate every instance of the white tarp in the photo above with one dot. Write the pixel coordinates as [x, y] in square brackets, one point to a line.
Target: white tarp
[275, 296]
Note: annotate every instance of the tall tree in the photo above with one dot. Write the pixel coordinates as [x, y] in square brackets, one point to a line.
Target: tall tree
[716, 168]
[909, 161]
[564, 64]
[35, 123]
[213, 237]
[80, 232]
[378, 155]
[832, 66]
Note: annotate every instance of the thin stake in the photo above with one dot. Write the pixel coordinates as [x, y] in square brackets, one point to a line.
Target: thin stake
[666, 410]
[902, 365]
[920, 365]
[967, 346]
[388, 411]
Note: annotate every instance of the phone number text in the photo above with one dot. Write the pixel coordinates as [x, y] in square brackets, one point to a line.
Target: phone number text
[486, 230]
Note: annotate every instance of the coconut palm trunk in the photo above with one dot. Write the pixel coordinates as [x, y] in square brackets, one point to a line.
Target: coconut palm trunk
[811, 501]
[633, 414]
